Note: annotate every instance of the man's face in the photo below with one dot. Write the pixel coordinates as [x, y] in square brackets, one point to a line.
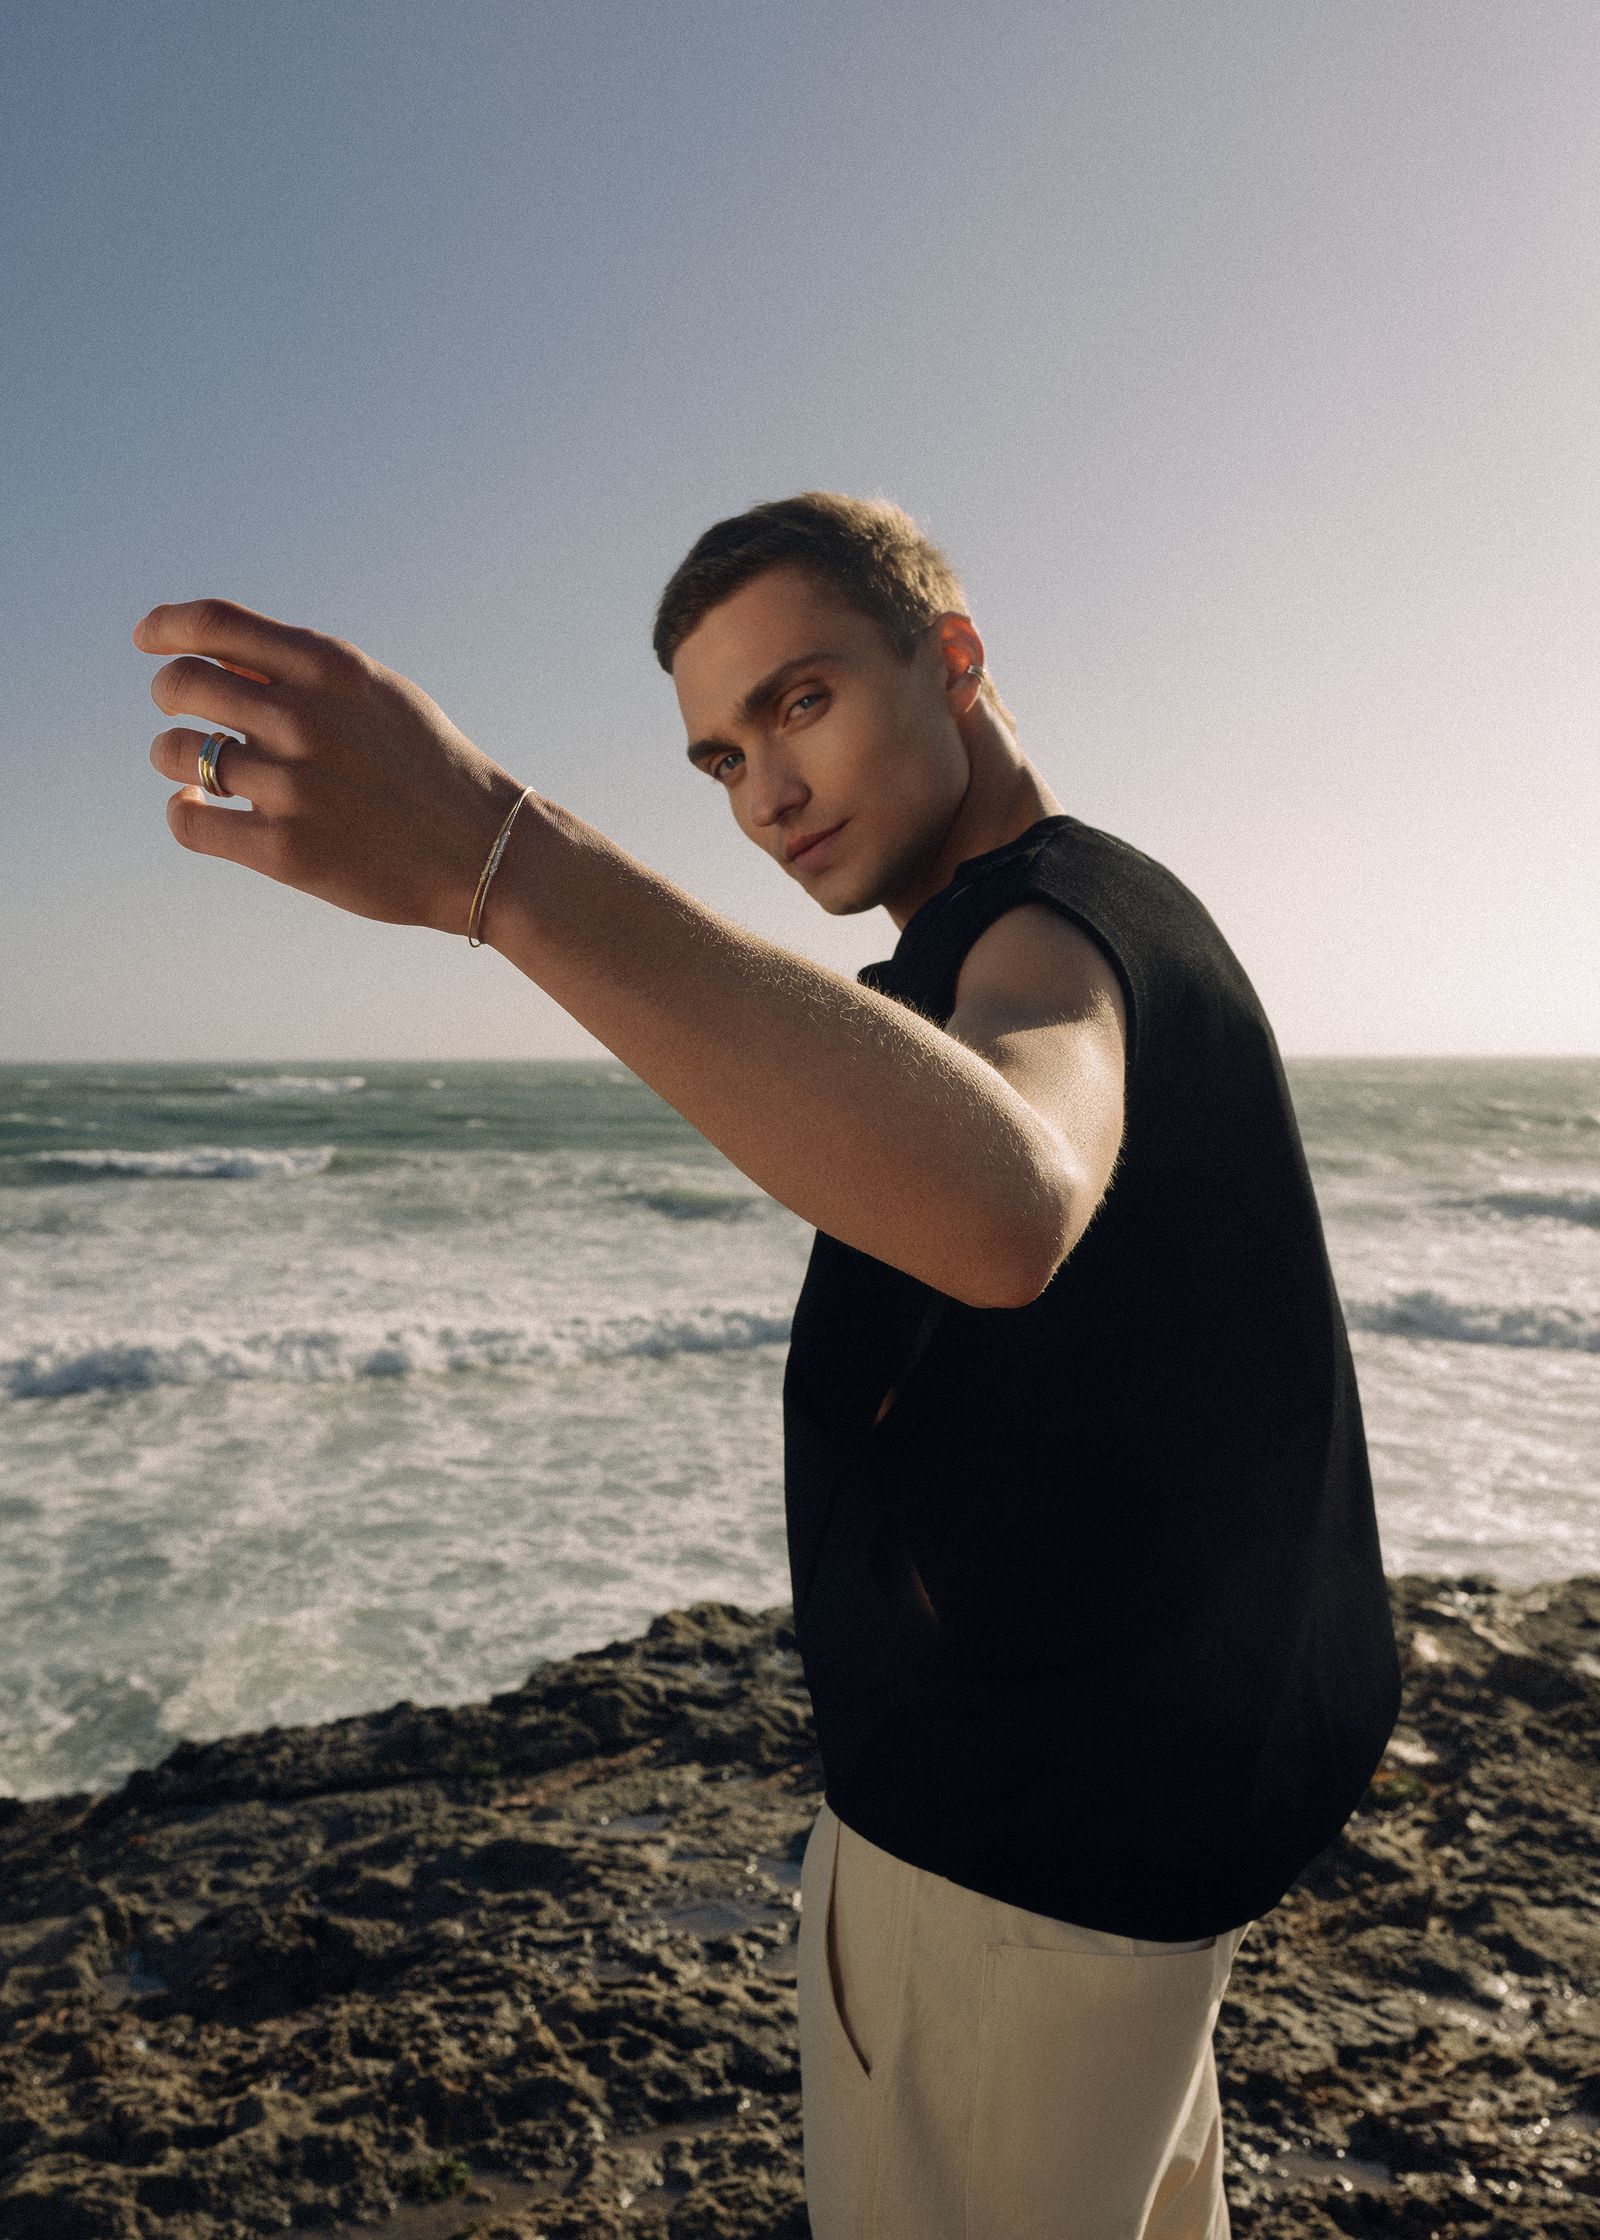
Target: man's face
[796, 705]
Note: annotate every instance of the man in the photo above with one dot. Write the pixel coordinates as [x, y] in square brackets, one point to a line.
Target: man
[1086, 1574]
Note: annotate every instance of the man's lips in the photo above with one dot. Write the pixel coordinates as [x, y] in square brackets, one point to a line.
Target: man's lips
[809, 846]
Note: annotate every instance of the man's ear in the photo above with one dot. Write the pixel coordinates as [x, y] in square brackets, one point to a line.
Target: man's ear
[961, 650]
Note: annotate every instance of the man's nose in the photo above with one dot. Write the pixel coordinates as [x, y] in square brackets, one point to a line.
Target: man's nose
[773, 791]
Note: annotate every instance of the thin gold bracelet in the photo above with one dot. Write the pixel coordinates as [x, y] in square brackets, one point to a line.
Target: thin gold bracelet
[488, 871]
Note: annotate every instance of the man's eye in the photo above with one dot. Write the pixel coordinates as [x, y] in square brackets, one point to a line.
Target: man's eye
[804, 697]
[732, 755]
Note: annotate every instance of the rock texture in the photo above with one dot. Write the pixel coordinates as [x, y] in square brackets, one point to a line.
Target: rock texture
[527, 1967]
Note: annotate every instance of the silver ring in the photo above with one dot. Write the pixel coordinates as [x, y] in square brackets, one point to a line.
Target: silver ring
[208, 764]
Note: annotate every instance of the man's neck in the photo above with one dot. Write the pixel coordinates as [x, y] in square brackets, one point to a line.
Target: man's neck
[1004, 797]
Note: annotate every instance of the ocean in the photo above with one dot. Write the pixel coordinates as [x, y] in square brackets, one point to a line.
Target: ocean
[326, 1386]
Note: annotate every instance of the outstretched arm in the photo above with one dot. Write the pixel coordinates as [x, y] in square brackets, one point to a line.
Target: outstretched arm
[971, 1158]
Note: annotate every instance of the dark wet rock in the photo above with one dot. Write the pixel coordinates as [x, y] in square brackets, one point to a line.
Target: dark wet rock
[527, 1967]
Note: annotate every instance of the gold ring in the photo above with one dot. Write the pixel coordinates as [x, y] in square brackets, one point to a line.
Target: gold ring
[208, 765]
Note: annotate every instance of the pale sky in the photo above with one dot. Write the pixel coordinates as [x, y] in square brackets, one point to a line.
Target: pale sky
[1241, 356]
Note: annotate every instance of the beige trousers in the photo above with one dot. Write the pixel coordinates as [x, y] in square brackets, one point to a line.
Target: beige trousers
[970, 2071]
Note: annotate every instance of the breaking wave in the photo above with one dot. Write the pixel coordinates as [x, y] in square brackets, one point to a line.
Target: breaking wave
[1582, 1206]
[52, 1372]
[296, 1084]
[198, 1162]
[1428, 1314]
[686, 1204]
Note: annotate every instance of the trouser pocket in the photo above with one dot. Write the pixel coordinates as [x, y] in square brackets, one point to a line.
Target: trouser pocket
[824, 2000]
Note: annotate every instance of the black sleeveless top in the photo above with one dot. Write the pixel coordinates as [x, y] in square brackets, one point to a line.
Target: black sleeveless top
[1095, 1620]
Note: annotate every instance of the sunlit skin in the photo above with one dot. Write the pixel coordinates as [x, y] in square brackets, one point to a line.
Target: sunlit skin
[907, 755]
[972, 1156]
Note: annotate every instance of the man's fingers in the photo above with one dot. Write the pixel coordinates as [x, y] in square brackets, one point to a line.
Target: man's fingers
[228, 701]
[252, 644]
[205, 828]
[241, 768]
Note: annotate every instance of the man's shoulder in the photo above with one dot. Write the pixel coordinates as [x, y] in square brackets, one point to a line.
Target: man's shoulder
[1143, 912]
[1072, 852]
[1036, 957]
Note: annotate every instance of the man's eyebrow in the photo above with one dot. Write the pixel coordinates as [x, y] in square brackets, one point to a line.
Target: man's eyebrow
[760, 697]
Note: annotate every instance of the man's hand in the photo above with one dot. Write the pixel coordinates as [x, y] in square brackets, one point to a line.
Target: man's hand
[363, 792]
[972, 1165]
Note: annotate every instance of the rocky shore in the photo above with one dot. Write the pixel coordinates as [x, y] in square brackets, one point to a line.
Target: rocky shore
[527, 1967]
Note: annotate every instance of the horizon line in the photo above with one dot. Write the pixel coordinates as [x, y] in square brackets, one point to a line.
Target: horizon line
[605, 1057]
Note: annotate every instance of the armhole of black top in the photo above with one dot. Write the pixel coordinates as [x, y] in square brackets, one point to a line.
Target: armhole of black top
[1101, 940]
